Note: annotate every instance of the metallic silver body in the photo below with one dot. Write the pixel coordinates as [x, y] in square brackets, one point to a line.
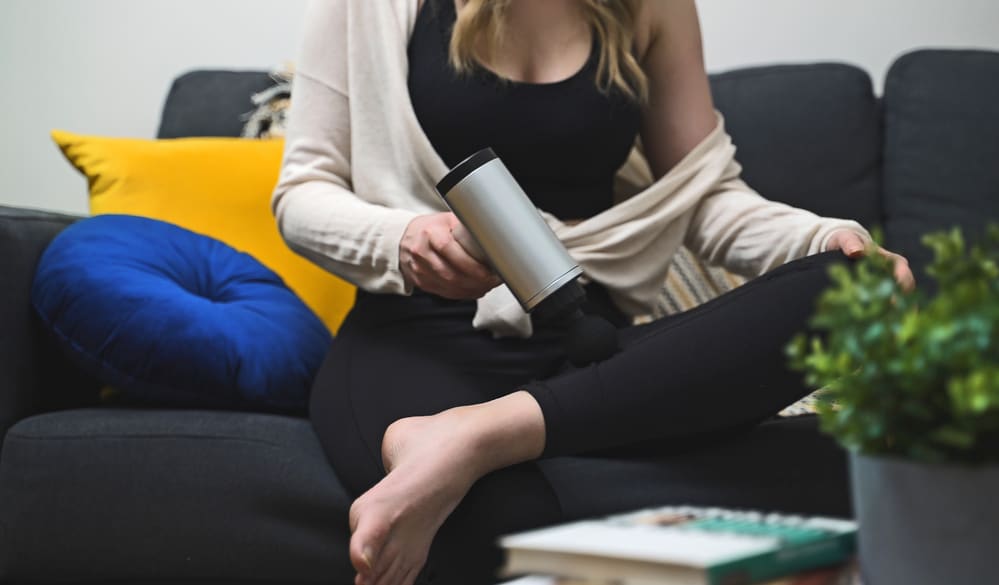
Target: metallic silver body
[512, 234]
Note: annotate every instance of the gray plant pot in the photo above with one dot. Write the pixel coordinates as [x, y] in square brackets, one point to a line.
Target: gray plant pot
[924, 524]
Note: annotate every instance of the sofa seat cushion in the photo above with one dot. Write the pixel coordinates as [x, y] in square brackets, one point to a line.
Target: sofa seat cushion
[158, 495]
[238, 497]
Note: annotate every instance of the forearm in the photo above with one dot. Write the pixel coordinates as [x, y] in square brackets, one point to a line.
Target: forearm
[357, 241]
[316, 208]
[737, 228]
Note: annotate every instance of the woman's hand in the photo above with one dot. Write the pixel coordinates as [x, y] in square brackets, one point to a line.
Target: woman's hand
[854, 246]
[432, 260]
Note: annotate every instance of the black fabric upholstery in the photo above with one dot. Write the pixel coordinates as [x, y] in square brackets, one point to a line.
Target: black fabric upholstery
[210, 103]
[807, 135]
[221, 496]
[942, 146]
[150, 495]
[34, 375]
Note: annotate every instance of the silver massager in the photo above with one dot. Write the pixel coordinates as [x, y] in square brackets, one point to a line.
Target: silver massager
[502, 228]
[507, 232]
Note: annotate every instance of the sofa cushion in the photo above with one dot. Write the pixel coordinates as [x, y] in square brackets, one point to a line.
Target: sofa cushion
[220, 187]
[808, 135]
[233, 497]
[34, 374]
[941, 151]
[170, 496]
[174, 317]
[211, 103]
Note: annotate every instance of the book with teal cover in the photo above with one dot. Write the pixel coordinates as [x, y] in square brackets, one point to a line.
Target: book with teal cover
[683, 545]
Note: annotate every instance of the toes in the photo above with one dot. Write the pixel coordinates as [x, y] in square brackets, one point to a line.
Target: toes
[388, 559]
[410, 577]
[354, 516]
[366, 544]
[362, 557]
[392, 574]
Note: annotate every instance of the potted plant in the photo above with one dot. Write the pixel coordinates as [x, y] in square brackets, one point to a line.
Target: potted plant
[913, 392]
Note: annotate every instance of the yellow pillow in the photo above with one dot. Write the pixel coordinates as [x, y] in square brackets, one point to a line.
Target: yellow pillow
[219, 187]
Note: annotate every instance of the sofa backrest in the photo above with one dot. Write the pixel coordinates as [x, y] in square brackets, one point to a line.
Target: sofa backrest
[210, 103]
[808, 135]
[34, 375]
[941, 146]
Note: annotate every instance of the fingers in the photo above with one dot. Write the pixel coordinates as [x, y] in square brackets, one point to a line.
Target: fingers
[431, 262]
[433, 275]
[848, 242]
[902, 272]
[459, 258]
[431, 259]
[854, 246]
[457, 274]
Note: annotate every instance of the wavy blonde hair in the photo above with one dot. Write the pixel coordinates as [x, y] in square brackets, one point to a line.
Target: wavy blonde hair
[612, 21]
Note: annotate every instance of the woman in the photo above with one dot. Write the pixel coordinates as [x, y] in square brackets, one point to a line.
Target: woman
[434, 381]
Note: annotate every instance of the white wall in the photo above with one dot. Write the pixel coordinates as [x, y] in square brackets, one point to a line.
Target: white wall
[103, 66]
[869, 33]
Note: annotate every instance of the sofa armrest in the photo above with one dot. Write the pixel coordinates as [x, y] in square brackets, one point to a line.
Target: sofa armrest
[34, 375]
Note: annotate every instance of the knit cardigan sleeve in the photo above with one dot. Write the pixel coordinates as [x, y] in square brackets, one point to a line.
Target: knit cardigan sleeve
[703, 203]
[317, 210]
[735, 227]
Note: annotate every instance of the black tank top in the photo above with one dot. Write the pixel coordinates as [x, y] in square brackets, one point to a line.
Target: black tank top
[562, 141]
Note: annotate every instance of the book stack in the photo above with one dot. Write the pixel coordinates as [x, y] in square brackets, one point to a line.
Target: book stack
[686, 546]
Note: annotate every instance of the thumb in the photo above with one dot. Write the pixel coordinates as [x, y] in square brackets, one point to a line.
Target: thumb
[851, 244]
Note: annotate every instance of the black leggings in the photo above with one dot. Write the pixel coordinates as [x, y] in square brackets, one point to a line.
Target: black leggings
[678, 382]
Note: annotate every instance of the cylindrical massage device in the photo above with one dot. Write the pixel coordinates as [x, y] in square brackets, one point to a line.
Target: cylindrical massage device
[502, 228]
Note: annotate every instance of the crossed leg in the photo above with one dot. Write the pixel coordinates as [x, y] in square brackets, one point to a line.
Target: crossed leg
[417, 434]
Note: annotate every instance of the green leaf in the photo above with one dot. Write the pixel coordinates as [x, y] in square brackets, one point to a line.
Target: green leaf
[910, 376]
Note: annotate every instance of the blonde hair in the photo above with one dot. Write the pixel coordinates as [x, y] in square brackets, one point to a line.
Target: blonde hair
[612, 21]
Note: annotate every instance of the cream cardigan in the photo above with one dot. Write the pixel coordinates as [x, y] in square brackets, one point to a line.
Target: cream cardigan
[358, 167]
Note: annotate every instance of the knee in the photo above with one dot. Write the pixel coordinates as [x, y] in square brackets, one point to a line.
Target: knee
[832, 257]
[821, 262]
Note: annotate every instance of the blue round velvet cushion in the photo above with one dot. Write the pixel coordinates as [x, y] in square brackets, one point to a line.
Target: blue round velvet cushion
[167, 315]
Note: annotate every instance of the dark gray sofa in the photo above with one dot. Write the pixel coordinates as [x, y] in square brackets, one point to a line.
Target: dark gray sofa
[91, 493]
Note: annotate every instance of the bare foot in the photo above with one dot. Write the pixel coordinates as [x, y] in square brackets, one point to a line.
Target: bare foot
[432, 462]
